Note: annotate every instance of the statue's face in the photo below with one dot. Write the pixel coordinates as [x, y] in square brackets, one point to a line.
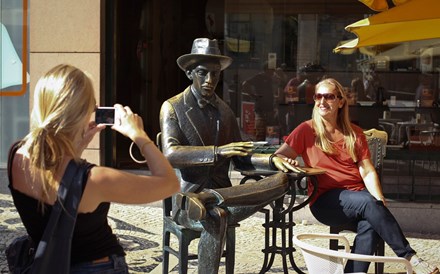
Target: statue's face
[205, 78]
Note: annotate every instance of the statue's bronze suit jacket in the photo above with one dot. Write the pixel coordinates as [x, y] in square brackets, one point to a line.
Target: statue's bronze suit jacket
[188, 141]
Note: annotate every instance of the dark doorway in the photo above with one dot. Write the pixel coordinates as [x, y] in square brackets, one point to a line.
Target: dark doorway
[143, 39]
[125, 71]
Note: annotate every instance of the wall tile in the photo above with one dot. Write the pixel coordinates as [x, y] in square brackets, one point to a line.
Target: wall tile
[52, 32]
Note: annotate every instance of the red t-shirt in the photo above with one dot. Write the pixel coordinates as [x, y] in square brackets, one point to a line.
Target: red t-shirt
[341, 171]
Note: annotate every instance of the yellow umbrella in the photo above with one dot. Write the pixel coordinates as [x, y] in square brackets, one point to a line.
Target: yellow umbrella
[381, 5]
[413, 20]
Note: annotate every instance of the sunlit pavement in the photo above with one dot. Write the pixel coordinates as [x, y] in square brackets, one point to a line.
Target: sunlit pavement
[139, 229]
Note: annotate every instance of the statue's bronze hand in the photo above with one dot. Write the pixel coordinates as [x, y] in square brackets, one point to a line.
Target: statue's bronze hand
[235, 149]
[286, 164]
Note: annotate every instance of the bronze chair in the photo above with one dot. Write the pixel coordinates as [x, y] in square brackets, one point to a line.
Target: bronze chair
[185, 236]
[377, 141]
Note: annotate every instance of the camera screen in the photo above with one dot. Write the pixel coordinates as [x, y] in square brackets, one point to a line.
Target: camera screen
[105, 115]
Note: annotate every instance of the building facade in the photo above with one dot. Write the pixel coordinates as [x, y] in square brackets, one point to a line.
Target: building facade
[130, 49]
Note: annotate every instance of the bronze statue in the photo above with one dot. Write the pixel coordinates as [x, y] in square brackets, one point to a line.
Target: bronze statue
[200, 137]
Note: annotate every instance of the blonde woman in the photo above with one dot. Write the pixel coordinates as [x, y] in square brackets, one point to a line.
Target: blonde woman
[349, 191]
[61, 128]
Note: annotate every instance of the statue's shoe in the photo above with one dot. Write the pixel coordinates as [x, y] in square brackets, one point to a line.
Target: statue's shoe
[189, 202]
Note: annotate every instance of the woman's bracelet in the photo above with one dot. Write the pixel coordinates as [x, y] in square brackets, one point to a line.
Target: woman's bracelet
[141, 149]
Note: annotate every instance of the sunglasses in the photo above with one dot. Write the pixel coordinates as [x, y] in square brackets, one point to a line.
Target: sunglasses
[326, 96]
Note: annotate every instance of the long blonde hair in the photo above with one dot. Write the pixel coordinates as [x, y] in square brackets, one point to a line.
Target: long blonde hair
[63, 99]
[343, 122]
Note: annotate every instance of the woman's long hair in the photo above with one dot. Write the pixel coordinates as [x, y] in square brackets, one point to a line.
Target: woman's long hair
[63, 100]
[343, 122]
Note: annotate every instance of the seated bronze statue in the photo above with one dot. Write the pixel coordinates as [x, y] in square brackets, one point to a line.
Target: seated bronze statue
[200, 137]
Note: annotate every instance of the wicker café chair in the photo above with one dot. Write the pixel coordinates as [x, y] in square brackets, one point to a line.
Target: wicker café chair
[324, 260]
[377, 140]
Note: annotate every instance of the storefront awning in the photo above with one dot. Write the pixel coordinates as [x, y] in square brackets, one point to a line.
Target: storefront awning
[411, 21]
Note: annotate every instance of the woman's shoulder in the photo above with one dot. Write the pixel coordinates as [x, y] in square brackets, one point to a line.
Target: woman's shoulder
[360, 135]
[305, 128]
[306, 125]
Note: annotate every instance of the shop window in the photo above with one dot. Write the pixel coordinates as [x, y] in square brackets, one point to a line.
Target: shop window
[14, 77]
[272, 43]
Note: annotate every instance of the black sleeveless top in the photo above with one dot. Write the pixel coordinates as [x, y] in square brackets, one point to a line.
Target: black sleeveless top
[92, 237]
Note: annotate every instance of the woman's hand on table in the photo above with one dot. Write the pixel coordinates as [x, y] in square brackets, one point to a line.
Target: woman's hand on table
[286, 164]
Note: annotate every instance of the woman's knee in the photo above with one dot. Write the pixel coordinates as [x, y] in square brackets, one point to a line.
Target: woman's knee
[365, 205]
[356, 198]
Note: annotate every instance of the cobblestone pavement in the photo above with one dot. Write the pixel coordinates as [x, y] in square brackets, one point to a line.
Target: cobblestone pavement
[140, 231]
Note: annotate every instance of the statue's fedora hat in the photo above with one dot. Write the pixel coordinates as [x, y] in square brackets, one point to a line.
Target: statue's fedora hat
[203, 49]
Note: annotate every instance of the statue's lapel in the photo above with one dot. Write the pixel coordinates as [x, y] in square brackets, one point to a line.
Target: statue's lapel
[195, 117]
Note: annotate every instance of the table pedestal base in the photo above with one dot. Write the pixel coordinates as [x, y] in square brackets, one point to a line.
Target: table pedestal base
[278, 223]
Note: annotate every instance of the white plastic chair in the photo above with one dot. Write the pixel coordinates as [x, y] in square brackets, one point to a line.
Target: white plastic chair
[323, 260]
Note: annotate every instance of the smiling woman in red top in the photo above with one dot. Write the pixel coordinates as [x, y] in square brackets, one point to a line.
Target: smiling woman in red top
[350, 190]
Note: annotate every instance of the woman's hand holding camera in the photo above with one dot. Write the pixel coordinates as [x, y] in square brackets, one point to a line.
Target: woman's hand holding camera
[129, 124]
[87, 135]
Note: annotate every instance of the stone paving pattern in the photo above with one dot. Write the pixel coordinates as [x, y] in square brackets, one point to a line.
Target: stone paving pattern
[139, 229]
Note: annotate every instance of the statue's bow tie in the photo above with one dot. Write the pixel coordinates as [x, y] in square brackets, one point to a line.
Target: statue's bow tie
[203, 102]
